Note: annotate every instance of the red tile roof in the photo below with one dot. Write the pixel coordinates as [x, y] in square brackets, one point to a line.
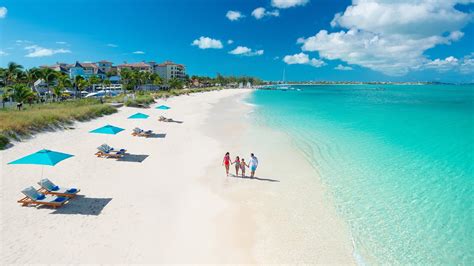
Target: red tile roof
[140, 64]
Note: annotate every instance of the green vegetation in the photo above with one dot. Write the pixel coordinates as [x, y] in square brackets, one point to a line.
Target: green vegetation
[224, 80]
[57, 109]
[16, 124]
[140, 101]
[3, 142]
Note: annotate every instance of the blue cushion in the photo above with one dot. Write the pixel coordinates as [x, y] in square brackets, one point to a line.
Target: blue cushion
[54, 188]
[71, 190]
[40, 197]
[60, 199]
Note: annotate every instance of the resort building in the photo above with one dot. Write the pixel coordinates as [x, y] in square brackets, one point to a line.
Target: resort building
[166, 70]
[169, 70]
[105, 66]
[86, 70]
[141, 66]
[60, 67]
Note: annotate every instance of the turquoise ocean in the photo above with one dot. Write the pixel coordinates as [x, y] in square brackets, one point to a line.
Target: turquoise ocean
[398, 161]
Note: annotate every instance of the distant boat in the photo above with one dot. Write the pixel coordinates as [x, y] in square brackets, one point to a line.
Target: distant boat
[283, 86]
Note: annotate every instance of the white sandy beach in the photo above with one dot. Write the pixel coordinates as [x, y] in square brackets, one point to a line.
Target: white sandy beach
[176, 205]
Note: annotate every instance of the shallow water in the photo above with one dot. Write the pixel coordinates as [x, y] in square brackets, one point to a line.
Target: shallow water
[398, 160]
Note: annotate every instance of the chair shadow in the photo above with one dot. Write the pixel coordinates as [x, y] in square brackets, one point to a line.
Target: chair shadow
[256, 178]
[83, 205]
[173, 121]
[157, 136]
[134, 158]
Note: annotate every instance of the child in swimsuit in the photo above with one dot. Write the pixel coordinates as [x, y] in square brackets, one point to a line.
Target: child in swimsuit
[242, 166]
[237, 165]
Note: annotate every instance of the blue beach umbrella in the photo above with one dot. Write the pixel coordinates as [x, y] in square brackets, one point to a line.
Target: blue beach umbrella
[163, 107]
[138, 116]
[43, 157]
[108, 129]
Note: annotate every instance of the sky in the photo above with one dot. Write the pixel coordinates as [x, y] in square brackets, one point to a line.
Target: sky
[339, 40]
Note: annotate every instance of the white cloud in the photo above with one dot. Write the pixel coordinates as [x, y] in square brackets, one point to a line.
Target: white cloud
[22, 42]
[207, 43]
[343, 68]
[230, 42]
[421, 17]
[38, 51]
[62, 43]
[390, 37]
[112, 45]
[288, 3]
[464, 65]
[234, 15]
[245, 51]
[303, 59]
[3, 53]
[138, 52]
[3, 12]
[261, 12]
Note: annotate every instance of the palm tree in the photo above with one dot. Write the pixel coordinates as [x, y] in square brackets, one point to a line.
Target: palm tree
[63, 83]
[81, 84]
[126, 77]
[77, 80]
[175, 83]
[156, 79]
[22, 93]
[12, 72]
[49, 76]
[94, 80]
[32, 75]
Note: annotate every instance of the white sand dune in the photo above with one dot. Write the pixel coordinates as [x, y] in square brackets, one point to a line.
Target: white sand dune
[169, 200]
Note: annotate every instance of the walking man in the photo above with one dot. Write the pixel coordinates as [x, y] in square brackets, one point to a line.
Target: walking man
[253, 163]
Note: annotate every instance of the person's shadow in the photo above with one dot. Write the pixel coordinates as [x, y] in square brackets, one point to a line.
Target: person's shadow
[256, 178]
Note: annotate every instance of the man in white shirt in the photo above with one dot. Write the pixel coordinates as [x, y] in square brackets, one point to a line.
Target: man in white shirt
[253, 163]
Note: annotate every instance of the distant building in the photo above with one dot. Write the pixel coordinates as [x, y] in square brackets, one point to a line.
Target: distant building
[105, 66]
[169, 70]
[60, 67]
[140, 66]
[86, 70]
[40, 87]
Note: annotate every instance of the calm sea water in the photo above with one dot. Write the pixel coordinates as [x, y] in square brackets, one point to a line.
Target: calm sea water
[398, 160]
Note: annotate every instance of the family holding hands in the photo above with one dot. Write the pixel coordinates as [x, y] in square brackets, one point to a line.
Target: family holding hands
[240, 164]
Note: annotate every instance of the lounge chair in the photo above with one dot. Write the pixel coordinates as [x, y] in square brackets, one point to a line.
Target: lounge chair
[48, 187]
[164, 119]
[141, 133]
[33, 197]
[109, 152]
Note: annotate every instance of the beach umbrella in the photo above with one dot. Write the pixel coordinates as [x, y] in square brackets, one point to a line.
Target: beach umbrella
[138, 116]
[43, 157]
[108, 129]
[163, 107]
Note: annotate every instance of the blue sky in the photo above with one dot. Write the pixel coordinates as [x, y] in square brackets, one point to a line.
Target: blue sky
[312, 39]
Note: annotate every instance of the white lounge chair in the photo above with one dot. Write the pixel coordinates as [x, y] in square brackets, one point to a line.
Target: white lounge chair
[49, 187]
[33, 197]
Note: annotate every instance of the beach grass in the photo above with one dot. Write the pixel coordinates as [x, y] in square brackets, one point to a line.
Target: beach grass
[16, 124]
[140, 101]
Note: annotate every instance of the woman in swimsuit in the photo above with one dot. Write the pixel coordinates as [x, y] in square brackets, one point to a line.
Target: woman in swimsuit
[237, 165]
[226, 162]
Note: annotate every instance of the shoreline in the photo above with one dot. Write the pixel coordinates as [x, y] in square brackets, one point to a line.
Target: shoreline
[156, 211]
[284, 183]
